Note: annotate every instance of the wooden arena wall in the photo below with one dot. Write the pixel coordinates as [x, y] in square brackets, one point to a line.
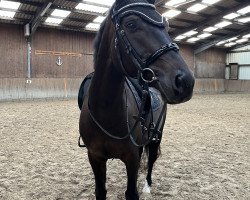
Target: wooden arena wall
[48, 46]
[13, 52]
[61, 59]
[74, 49]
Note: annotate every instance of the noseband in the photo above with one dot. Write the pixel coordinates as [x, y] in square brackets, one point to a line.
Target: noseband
[147, 75]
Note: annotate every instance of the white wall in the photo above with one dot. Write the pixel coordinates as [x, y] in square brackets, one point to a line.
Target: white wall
[242, 57]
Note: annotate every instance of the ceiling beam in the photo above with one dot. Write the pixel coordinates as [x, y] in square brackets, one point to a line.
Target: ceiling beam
[241, 1]
[175, 26]
[37, 19]
[14, 20]
[215, 41]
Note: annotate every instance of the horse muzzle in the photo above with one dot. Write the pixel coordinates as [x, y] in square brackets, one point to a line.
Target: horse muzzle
[178, 89]
[183, 85]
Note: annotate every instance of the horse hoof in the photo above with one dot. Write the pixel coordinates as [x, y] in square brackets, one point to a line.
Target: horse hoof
[146, 188]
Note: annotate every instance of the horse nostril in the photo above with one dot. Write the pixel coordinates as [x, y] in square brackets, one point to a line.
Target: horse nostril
[178, 80]
[179, 83]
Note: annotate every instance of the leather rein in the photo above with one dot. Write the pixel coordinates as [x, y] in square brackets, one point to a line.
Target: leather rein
[145, 75]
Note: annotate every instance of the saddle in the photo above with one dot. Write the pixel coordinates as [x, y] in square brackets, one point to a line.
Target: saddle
[155, 100]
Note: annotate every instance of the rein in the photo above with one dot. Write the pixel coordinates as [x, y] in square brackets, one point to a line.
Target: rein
[152, 129]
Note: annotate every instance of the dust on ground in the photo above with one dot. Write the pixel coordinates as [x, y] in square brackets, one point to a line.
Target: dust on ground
[205, 152]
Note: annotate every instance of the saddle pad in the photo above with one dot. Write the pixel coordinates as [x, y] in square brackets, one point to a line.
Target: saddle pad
[156, 100]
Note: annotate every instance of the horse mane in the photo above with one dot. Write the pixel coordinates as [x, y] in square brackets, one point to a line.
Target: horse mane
[97, 41]
[99, 35]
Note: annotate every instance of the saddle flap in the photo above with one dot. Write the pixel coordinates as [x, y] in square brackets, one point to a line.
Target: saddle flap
[84, 89]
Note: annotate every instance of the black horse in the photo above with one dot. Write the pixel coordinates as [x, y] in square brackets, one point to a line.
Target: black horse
[136, 66]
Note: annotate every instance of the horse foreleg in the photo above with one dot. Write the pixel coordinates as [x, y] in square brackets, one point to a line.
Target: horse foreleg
[140, 152]
[153, 149]
[99, 169]
[132, 166]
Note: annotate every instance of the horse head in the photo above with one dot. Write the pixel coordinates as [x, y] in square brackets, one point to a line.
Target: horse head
[143, 49]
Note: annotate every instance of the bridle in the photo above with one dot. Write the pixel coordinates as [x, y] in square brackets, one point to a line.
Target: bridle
[144, 72]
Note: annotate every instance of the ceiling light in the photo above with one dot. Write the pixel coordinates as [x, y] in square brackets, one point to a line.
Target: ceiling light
[204, 35]
[244, 20]
[210, 29]
[92, 26]
[9, 4]
[197, 7]
[91, 8]
[175, 3]
[230, 44]
[99, 19]
[52, 20]
[223, 24]
[244, 10]
[241, 40]
[7, 14]
[231, 16]
[60, 13]
[190, 33]
[180, 37]
[221, 42]
[171, 13]
[194, 39]
[210, 2]
[106, 2]
[232, 39]
[246, 36]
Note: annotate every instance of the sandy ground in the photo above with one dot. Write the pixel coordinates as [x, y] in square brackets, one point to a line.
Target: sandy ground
[205, 152]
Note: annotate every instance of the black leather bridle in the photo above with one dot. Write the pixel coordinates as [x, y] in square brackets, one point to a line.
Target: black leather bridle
[147, 75]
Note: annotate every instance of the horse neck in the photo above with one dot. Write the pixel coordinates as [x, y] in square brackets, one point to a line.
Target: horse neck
[107, 86]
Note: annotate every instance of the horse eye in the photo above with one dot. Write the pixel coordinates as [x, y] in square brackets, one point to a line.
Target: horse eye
[131, 25]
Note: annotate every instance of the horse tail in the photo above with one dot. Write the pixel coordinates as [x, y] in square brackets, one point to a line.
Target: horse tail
[152, 152]
[148, 153]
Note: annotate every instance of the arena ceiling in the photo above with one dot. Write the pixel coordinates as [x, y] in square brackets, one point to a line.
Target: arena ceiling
[202, 23]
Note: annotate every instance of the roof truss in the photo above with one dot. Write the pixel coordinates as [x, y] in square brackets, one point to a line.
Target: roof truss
[178, 25]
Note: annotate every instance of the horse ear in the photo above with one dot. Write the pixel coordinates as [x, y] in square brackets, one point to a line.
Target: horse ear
[151, 1]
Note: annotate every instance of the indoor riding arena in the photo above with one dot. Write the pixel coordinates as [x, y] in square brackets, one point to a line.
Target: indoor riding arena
[47, 49]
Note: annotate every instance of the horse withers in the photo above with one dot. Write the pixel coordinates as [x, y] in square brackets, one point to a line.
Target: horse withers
[136, 65]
